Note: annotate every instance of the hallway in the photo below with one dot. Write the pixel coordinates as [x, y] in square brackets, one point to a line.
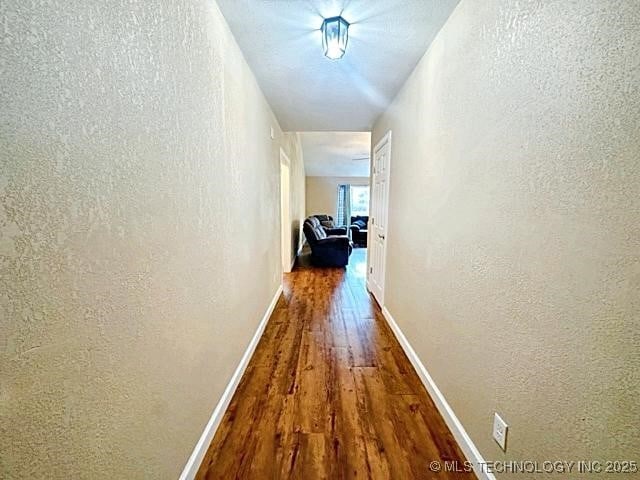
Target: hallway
[329, 393]
[160, 160]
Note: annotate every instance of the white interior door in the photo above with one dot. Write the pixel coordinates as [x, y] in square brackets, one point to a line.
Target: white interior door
[377, 240]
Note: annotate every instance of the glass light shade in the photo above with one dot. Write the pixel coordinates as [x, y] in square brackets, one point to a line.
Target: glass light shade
[334, 37]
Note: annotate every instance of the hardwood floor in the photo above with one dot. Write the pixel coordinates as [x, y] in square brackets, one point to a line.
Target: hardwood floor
[329, 393]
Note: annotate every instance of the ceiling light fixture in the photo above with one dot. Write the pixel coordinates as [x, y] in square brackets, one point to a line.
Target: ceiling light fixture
[334, 37]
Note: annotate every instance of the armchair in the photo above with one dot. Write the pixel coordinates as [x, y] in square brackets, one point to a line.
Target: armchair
[359, 229]
[327, 223]
[327, 251]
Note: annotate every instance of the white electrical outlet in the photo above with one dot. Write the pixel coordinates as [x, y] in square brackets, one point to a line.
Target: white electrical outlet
[500, 428]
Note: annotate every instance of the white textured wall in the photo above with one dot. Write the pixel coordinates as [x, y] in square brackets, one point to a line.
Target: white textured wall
[139, 237]
[514, 242]
[322, 193]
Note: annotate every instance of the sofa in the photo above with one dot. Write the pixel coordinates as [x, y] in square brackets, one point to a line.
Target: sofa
[326, 221]
[359, 229]
[327, 250]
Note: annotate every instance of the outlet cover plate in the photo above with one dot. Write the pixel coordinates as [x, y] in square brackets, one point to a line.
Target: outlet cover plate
[500, 428]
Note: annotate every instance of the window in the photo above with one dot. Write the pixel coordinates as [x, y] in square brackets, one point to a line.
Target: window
[359, 200]
[353, 200]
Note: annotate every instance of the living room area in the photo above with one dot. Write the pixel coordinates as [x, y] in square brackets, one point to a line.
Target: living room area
[337, 198]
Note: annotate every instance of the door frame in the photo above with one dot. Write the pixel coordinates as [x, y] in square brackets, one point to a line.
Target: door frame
[386, 138]
[286, 244]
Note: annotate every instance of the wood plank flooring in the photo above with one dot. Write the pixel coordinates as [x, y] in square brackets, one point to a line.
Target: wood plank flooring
[329, 393]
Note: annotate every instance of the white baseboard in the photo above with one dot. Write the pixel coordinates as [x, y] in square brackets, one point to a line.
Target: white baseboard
[191, 468]
[464, 441]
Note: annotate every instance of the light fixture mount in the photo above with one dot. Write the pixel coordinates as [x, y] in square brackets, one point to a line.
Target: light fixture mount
[335, 34]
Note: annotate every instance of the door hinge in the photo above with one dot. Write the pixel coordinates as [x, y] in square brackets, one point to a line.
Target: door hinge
[370, 269]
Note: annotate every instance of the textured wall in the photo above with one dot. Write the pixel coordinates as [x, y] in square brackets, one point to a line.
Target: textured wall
[514, 243]
[139, 239]
[322, 193]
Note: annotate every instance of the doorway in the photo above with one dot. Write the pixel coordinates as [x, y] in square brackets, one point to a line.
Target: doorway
[285, 212]
[379, 218]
